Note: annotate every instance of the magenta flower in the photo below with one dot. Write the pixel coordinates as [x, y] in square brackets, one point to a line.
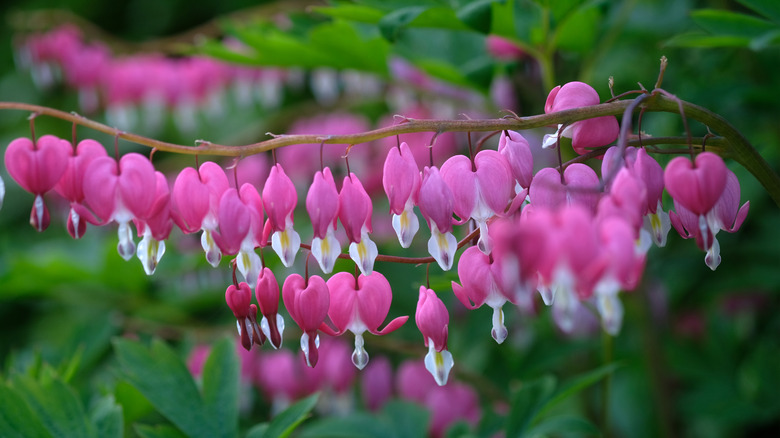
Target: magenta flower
[355, 214]
[267, 294]
[241, 229]
[71, 185]
[155, 228]
[481, 190]
[655, 220]
[725, 215]
[279, 199]
[514, 147]
[432, 319]
[437, 204]
[322, 203]
[359, 305]
[696, 187]
[239, 299]
[307, 301]
[121, 192]
[401, 180]
[482, 284]
[622, 269]
[580, 186]
[588, 133]
[503, 49]
[195, 203]
[37, 167]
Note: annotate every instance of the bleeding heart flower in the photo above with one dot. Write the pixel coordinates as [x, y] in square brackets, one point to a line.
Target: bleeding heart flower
[279, 200]
[436, 204]
[585, 134]
[355, 214]
[121, 192]
[580, 186]
[482, 284]
[696, 187]
[239, 299]
[514, 147]
[432, 319]
[241, 229]
[155, 228]
[480, 191]
[361, 304]
[71, 185]
[267, 294]
[37, 167]
[308, 302]
[195, 203]
[401, 180]
[322, 203]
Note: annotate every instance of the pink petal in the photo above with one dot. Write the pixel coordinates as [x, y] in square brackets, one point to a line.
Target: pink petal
[279, 198]
[436, 201]
[400, 177]
[459, 177]
[354, 208]
[322, 203]
[496, 184]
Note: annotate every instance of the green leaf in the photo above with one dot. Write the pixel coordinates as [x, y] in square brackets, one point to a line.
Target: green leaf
[578, 31]
[286, 421]
[220, 387]
[391, 24]
[727, 23]
[56, 405]
[258, 431]
[160, 431]
[107, 417]
[16, 418]
[353, 12]
[701, 40]
[578, 383]
[769, 39]
[767, 8]
[564, 424]
[406, 419]
[359, 425]
[503, 19]
[527, 403]
[161, 376]
[477, 15]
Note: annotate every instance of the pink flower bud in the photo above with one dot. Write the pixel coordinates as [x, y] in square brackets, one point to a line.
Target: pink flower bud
[267, 295]
[279, 200]
[432, 319]
[696, 187]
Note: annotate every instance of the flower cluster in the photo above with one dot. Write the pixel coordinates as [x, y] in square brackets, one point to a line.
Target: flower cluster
[569, 233]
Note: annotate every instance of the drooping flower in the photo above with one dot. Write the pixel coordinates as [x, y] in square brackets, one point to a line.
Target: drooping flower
[655, 220]
[359, 305]
[307, 301]
[432, 319]
[71, 184]
[239, 299]
[725, 215]
[590, 133]
[355, 214]
[37, 167]
[267, 294]
[241, 229]
[481, 279]
[437, 204]
[481, 190]
[279, 200]
[195, 204]
[322, 204]
[401, 180]
[697, 189]
[121, 192]
[514, 147]
[155, 228]
[580, 186]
